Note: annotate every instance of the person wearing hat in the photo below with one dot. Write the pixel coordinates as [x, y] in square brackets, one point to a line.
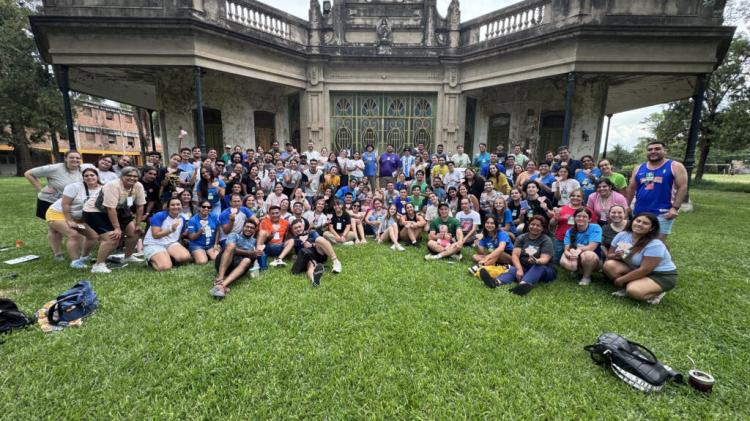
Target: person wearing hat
[227, 156]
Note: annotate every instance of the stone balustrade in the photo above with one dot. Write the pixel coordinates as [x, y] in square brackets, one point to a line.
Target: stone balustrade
[509, 20]
[257, 16]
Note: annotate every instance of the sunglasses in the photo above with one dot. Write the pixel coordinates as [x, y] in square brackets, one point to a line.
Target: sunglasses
[206, 207]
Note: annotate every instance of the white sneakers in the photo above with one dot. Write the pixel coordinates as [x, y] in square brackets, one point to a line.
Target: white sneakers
[100, 268]
[656, 300]
[132, 259]
[585, 281]
[336, 266]
[620, 293]
[397, 247]
[432, 256]
[277, 262]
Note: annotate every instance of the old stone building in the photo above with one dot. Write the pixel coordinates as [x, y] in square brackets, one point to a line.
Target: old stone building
[540, 73]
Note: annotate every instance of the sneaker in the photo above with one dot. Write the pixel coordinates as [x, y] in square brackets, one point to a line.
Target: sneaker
[100, 268]
[217, 292]
[348, 243]
[487, 278]
[132, 259]
[78, 264]
[85, 259]
[473, 270]
[393, 247]
[399, 247]
[656, 300]
[457, 257]
[317, 274]
[620, 293]
[432, 256]
[585, 281]
[59, 258]
[139, 254]
[277, 262]
[336, 266]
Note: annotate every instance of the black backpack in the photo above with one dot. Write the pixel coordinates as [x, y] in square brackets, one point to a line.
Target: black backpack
[11, 318]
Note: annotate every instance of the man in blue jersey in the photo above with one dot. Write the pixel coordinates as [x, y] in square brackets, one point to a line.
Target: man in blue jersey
[659, 186]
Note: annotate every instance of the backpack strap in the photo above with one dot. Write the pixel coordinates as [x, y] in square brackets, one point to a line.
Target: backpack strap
[56, 307]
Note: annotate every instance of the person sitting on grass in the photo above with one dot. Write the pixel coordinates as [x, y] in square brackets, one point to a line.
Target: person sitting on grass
[411, 225]
[232, 219]
[312, 251]
[161, 246]
[531, 260]
[203, 233]
[357, 217]
[340, 229]
[317, 218]
[388, 230]
[236, 259]
[639, 263]
[493, 245]
[272, 231]
[438, 250]
[469, 220]
[616, 223]
[582, 246]
[110, 215]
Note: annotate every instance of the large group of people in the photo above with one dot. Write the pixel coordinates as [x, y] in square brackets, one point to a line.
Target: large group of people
[255, 209]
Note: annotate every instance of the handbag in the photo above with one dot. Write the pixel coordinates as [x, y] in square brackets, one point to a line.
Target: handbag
[73, 304]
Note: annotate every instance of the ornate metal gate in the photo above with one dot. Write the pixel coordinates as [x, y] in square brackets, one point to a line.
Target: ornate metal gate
[401, 119]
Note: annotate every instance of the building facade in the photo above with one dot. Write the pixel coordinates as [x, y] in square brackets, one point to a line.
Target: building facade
[539, 73]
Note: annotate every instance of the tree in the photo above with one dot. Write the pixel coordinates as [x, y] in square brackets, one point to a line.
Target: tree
[725, 110]
[30, 102]
[620, 156]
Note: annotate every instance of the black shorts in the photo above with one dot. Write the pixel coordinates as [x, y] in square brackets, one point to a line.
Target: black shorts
[98, 221]
[236, 260]
[41, 209]
[305, 256]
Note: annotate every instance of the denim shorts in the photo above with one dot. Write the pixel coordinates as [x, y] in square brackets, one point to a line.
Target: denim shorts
[274, 249]
[665, 225]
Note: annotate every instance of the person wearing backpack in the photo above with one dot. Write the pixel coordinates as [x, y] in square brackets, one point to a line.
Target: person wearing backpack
[110, 215]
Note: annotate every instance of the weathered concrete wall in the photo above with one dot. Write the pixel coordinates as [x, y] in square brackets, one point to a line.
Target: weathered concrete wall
[237, 98]
[525, 102]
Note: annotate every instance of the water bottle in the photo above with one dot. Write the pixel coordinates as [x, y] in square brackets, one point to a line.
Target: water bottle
[255, 270]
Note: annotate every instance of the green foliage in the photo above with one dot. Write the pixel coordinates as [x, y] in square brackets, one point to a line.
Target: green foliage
[725, 114]
[392, 336]
[621, 157]
[29, 98]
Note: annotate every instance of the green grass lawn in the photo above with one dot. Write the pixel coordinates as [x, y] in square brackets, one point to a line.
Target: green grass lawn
[720, 182]
[391, 337]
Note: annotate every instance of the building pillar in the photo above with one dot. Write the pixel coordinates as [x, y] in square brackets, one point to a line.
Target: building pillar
[151, 129]
[606, 137]
[695, 127]
[569, 108]
[200, 135]
[64, 84]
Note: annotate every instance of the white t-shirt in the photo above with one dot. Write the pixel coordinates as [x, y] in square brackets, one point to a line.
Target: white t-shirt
[356, 167]
[468, 220]
[318, 221]
[58, 177]
[164, 221]
[566, 187]
[77, 192]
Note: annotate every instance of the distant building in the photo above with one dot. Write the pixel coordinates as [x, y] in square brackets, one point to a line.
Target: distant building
[99, 129]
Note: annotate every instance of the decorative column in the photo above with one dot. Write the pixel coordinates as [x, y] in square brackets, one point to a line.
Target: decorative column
[569, 108]
[64, 85]
[200, 135]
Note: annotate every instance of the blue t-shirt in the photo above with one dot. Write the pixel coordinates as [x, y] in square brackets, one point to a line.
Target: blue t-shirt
[655, 248]
[213, 192]
[401, 205]
[546, 180]
[241, 242]
[371, 163]
[654, 189]
[208, 238]
[588, 183]
[492, 243]
[506, 218]
[593, 234]
[310, 237]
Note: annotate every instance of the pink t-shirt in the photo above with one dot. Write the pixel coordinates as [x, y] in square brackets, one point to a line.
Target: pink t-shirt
[566, 221]
[601, 206]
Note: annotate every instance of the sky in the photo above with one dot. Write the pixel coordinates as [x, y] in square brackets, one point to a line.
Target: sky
[626, 127]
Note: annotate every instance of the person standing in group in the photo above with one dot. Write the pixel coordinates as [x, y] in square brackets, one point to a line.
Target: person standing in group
[659, 186]
[460, 159]
[65, 216]
[519, 157]
[563, 186]
[58, 177]
[482, 158]
[370, 158]
[388, 165]
[565, 160]
[109, 214]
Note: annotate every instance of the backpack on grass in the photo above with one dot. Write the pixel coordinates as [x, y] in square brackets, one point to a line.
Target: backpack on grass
[73, 304]
[11, 318]
[633, 363]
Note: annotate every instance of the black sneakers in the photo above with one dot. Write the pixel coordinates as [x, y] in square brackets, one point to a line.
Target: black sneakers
[487, 278]
[317, 274]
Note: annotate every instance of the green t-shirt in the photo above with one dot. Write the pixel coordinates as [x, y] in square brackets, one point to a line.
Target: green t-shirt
[452, 224]
[422, 186]
[618, 180]
[417, 201]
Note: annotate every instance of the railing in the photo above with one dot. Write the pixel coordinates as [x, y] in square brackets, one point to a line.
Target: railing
[515, 18]
[254, 16]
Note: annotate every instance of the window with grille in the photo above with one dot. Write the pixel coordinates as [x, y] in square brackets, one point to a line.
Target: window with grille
[110, 115]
